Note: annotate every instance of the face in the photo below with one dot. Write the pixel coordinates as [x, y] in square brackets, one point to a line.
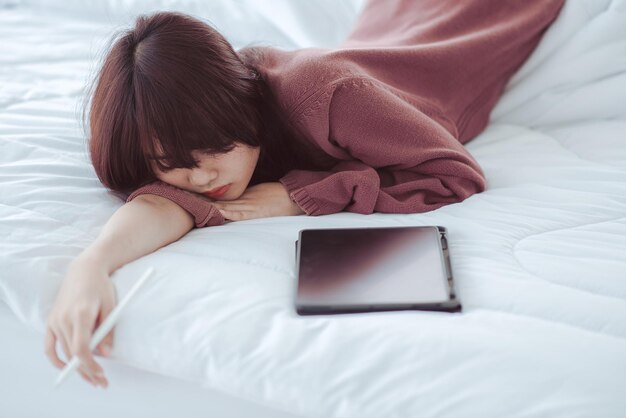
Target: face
[234, 168]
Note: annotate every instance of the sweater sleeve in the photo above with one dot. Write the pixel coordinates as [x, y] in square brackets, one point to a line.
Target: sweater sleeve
[397, 159]
[203, 212]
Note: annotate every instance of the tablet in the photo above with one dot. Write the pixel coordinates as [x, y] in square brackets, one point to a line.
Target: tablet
[374, 269]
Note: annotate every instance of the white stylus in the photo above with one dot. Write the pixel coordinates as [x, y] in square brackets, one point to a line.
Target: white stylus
[105, 327]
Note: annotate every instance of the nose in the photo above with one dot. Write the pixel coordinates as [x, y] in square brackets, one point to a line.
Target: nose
[201, 178]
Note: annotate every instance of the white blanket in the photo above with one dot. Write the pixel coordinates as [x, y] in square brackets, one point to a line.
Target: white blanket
[539, 258]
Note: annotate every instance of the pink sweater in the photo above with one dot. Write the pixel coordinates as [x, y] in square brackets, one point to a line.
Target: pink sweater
[394, 104]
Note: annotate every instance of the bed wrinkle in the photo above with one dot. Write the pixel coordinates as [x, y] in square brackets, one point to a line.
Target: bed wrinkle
[221, 314]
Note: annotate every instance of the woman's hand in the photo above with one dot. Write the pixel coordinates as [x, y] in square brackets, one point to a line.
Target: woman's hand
[85, 299]
[261, 201]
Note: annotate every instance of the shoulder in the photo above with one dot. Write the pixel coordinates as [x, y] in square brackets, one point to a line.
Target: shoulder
[341, 102]
[362, 103]
[299, 76]
[357, 110]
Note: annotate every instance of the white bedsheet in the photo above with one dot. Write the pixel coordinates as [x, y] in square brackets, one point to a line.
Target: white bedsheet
[539, 258]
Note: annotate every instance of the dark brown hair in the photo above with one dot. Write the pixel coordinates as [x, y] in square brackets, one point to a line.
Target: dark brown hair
[174, 82]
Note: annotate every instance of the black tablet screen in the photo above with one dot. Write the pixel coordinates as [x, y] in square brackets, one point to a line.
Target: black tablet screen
[365, 266]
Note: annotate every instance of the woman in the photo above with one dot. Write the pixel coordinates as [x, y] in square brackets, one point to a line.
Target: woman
[198, 133]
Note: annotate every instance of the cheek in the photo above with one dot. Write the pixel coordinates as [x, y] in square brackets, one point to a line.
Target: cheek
[175, 177]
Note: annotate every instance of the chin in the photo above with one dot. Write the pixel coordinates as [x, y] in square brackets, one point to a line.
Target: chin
[231, 194]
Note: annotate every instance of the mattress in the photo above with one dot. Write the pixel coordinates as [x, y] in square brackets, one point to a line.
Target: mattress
[26, 387]
[538, 258]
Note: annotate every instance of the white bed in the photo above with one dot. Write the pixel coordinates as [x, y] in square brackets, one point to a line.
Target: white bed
[539, 258]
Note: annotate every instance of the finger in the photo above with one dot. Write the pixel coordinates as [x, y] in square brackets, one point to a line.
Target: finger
[98, 379]
[50, 341]
[80, 345]
[68, 354]
[226, 203]
[102, 350]
[229, 215]
[86, 376]
[236, 215]
[106, 345]
[62, 337]
[233, 205]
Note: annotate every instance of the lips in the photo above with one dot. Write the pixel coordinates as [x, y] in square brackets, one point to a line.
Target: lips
[218, 191]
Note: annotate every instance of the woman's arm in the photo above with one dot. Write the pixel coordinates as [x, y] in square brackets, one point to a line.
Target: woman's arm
[263, 200]
[87, 295]
[139, 227]
[204, 212]
[394, 157]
